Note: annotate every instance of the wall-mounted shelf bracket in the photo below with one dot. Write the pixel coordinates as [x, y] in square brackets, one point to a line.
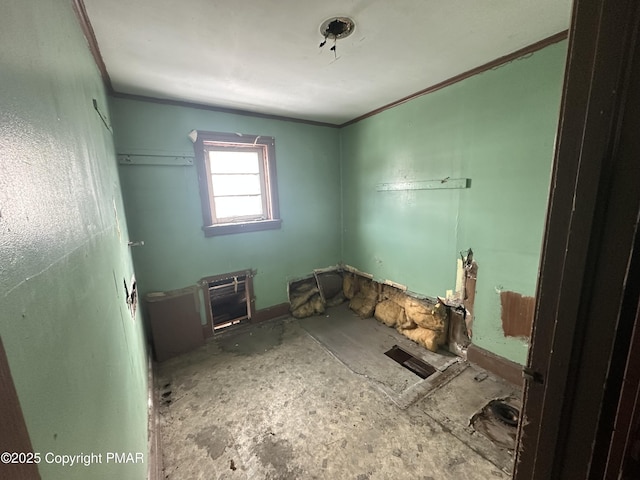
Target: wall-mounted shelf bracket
[444, 183]
[166, 160]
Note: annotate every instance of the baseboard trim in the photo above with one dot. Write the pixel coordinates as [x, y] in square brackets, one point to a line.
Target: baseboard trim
[500, 366]
[155, 465]
[269, 313]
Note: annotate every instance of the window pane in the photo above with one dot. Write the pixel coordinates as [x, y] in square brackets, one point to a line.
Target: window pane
[235, 185]
[238, 206]
[233, 161]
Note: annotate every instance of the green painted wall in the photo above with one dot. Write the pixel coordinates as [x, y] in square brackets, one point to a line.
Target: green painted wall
[496, 128]
[77, 357]
[164, 209]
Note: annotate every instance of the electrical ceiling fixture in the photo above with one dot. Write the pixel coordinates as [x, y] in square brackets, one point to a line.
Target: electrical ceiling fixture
[335, 28]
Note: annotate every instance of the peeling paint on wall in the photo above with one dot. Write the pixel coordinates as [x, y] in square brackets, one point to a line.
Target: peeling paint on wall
[517, 314]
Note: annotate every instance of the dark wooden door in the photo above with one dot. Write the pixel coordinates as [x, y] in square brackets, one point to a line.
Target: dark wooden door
[588, 288]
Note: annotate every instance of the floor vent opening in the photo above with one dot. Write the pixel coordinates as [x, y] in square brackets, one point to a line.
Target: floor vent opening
[408, 361]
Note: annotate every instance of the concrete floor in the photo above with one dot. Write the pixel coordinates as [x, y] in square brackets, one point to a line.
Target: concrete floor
[288, 399]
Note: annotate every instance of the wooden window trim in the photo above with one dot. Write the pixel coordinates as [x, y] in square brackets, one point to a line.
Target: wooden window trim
[209, 139]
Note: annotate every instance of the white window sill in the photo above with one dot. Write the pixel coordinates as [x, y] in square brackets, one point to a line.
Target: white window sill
[230, 228]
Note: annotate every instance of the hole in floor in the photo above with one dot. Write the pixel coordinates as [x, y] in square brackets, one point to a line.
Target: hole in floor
[505, 412]
[408, 361]
[498, 421]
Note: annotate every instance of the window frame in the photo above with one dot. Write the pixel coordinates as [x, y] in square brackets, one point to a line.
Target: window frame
[262, 158]
[207, 141]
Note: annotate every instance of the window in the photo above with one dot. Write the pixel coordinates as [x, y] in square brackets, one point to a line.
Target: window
[237, 175]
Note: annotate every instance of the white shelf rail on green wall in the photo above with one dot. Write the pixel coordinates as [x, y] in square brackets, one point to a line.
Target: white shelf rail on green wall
[154, 159]
[449, 183]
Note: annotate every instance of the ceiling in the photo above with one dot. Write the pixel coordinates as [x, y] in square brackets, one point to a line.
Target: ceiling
[264, 56]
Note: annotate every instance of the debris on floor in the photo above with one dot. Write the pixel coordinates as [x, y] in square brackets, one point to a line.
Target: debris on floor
[165, 396]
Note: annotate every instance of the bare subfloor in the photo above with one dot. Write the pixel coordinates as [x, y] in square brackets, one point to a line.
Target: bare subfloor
[302, 399]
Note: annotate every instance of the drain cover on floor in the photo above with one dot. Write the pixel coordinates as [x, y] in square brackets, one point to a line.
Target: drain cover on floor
[498, 421]
[408, 361]
[505, 412]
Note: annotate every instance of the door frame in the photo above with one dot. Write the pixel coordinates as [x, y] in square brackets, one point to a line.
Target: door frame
[589, 272]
